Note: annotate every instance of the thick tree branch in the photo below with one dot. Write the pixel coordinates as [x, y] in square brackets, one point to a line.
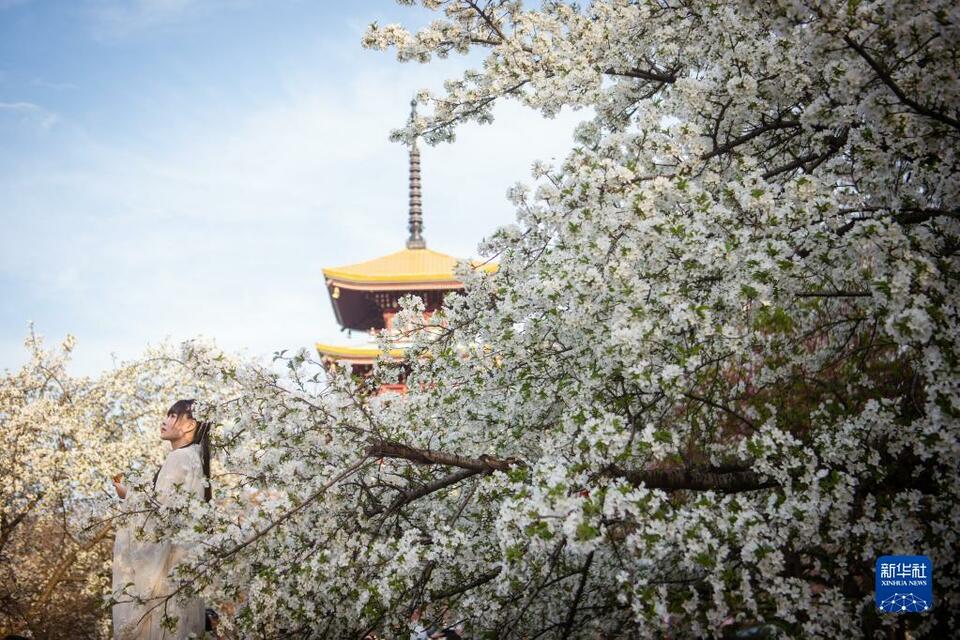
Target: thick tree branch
[725, 481]
[668, 77]
[483, 464]
[691, 480]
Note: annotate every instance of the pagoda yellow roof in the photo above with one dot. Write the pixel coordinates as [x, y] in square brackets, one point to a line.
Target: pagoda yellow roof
[359, 353]
[406, 266]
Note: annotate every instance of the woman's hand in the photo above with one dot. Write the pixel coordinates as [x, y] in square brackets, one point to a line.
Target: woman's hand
[121, 490]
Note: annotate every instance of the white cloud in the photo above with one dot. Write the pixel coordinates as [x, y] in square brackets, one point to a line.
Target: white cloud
[224, 228]
[30, 113]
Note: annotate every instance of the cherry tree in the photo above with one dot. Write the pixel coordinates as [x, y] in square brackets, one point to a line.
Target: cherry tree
[715, 376]
[64, 438]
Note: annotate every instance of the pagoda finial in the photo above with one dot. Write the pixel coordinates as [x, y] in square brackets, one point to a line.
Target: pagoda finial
[415, 223]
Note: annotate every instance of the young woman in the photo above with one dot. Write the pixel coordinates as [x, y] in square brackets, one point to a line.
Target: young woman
[147, 565]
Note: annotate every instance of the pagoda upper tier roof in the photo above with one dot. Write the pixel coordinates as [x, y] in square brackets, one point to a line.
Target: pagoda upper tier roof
[406, 269]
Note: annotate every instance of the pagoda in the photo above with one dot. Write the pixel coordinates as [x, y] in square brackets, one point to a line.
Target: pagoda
[365, 295]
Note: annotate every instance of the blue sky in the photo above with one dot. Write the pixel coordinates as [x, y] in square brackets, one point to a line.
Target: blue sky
[174, 168]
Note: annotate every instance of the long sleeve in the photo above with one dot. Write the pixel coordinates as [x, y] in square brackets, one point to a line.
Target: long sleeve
[182, 467]
[152, 562]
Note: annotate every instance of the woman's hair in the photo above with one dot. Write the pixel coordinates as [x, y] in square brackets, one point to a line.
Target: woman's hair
[201, 436]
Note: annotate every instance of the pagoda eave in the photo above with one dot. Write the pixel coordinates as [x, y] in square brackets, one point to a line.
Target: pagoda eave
[355, 355]
[393, 284]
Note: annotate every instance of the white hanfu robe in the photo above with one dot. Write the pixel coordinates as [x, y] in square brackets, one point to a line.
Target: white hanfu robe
[148, 564]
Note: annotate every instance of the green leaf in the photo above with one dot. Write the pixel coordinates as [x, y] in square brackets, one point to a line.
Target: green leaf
[586, 531]
[539, 529]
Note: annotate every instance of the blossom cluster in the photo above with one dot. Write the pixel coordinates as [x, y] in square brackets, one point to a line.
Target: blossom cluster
[713, 379]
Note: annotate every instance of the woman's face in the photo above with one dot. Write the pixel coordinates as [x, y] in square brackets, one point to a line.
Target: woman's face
[175, 427]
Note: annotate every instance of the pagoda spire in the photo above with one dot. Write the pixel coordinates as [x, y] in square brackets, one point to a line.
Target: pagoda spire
[415, 222]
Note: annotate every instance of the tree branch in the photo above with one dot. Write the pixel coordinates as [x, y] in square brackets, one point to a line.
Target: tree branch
[731, 144]
[833, 294]
[572, 612]
[668, 77]
[887, 79]
[356, 466]
[463, 588]
[57, 576]
[691, 480]
[409, 496]
[725, 481]
[723, 408]
[483, 464]
[488, 21]
[7, 527]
